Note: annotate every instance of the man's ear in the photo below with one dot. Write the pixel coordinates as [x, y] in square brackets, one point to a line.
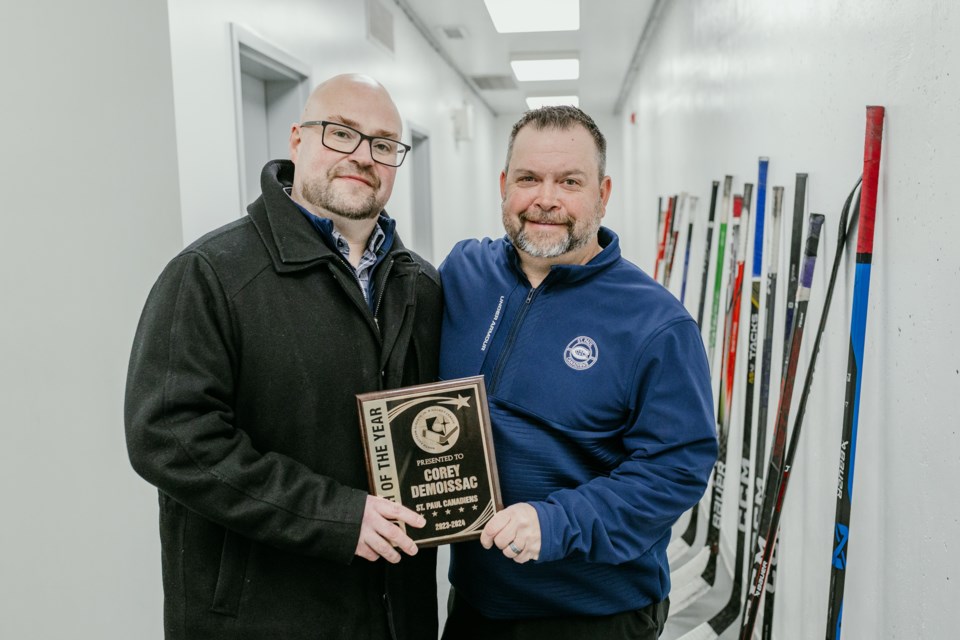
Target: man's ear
[294, 141]
[605, 186]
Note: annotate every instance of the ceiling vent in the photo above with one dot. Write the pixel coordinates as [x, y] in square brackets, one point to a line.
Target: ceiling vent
[380, 25]
[454, 32]
[494, 83]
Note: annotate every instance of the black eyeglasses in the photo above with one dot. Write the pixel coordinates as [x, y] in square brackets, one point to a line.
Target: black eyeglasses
[344, 139]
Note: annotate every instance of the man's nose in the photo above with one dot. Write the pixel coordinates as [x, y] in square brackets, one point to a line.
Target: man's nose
[363, 154]
[547, 195]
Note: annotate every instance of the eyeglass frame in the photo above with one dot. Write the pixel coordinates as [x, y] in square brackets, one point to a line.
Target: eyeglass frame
[323, 133]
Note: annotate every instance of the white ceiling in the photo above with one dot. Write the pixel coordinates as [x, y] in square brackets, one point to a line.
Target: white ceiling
[610, 31]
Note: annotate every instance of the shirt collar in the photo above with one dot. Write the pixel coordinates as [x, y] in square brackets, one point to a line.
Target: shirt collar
[379, 242]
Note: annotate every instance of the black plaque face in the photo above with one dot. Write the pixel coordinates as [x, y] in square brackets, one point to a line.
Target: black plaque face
[429, 448]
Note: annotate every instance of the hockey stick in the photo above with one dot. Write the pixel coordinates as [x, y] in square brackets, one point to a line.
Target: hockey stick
[706, 253]
[858, 328]
[799, 204]
[661, 250]
[691, 213]
[679, 208]
[765, 364]
[734, 297]
[660, 216]
[718, 278]
[775, 469]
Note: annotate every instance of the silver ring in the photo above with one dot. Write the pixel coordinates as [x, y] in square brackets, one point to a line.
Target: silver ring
[517, 550]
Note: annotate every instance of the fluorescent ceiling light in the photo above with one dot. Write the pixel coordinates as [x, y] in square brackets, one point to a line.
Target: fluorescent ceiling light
[534, 70]
[520, 16]
[535, 102]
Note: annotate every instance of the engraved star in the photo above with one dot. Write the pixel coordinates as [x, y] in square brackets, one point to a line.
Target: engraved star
[462, 509]
[474, 507]
[459, 402]
[447, 512]
[434, 514]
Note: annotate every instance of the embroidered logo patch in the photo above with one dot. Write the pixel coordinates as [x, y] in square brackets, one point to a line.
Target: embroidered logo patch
[581, 353]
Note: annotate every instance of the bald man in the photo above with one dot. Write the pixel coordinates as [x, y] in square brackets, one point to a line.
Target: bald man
[240, 404]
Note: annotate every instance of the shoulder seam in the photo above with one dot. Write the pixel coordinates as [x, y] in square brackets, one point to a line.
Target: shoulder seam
[653, 336]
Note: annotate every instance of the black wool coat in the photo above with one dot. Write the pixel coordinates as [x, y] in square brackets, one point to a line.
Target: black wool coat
[241, 410]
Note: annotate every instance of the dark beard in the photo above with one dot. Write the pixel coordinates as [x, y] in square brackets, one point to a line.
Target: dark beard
[326, 198]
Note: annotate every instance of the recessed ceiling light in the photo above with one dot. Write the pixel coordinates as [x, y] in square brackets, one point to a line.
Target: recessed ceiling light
[554, 69]
[535, 102]
[519, 16]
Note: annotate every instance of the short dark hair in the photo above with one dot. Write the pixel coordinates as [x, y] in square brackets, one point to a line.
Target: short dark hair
[562, 118]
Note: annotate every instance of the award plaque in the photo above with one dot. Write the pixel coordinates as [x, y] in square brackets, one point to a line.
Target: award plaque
[429, 447]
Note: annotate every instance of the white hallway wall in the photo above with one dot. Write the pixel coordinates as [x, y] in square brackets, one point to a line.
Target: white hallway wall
[91, 213]
[724, 82]
[330, 37]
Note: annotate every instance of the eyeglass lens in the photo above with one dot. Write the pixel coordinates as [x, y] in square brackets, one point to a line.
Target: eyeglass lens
[346, 140]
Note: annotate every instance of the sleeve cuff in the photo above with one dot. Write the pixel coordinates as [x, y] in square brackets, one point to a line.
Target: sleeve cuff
[550, 547]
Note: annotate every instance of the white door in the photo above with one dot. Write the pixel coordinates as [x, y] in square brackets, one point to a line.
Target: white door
[422, 238]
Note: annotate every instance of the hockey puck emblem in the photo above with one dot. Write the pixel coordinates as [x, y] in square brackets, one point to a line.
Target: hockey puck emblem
[581, 353]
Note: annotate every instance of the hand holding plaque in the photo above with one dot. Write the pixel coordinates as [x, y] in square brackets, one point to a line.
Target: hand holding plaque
[429, 447]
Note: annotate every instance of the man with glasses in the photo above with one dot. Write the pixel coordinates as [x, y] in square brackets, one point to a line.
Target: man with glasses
[599, 396]
[241, 407]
